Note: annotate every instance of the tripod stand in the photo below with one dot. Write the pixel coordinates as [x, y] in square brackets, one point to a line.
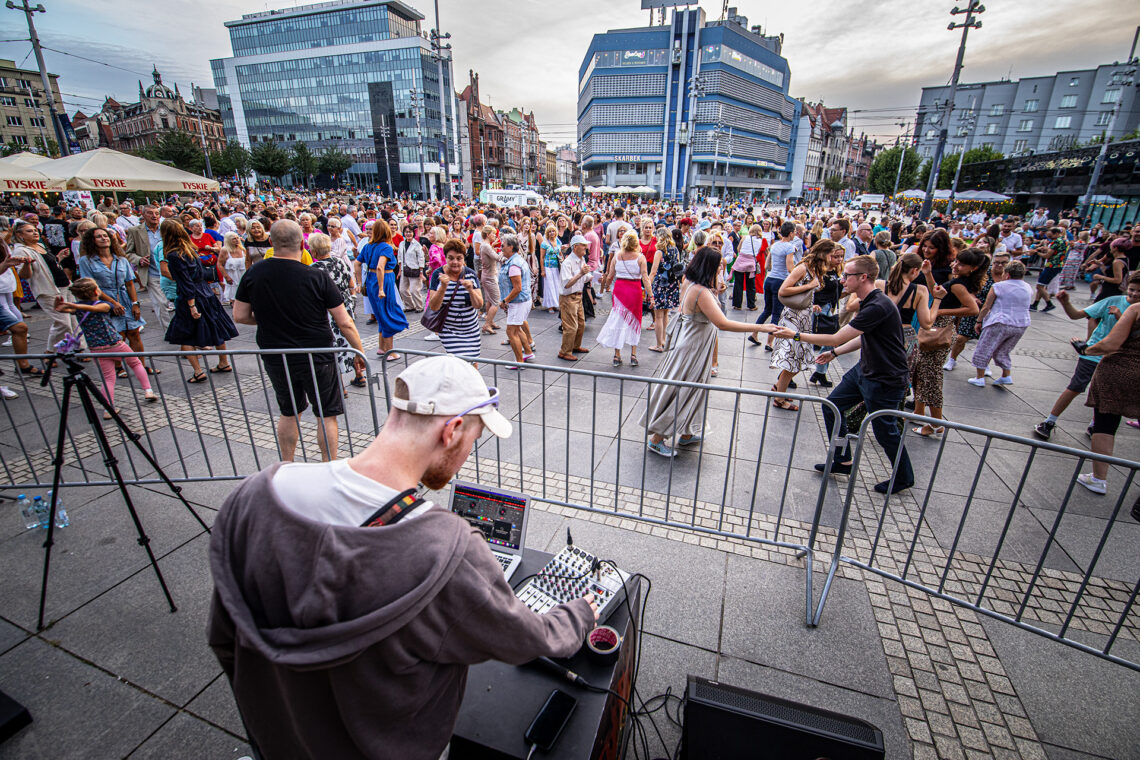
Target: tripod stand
[78, 381]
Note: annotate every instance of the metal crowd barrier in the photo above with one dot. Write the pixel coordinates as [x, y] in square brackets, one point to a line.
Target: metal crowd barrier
[583, 453]
[219, 429]
[1080, 608]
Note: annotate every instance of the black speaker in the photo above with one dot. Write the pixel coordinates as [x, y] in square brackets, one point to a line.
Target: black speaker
[726, 723]
[13, 716]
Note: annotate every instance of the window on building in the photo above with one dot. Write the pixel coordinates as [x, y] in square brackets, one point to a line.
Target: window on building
[1111, 96]
[7, 101]
[1069, 101]
[29, 103]
[15, 121]
[997, 109]
[165, 123]
[931, 134]
[36, 121]
[23, 84]
[1031, 105]
[20, 139]
[991, 129]
[1025, 125]
[1020, 145]
[987, 145]
[1063, 122]
[1074, 81]
[1103, 118]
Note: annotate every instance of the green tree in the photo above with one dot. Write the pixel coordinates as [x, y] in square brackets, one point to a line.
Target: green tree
[180, 150]
[269, 159]
[230, 160]
[11, 148]
[950, 165]
[335, 161]
[833, 184]
[305, 162]
[881, 175]
[51, 150]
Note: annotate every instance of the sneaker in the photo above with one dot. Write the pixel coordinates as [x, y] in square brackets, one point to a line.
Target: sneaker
[1133, 423]
[1049, 307]
[1093, 483]
[1007, 380]
[1044, 429]
[1033, 307]
[662, 449]
[978, 381]
[7, 392]
[950, 364]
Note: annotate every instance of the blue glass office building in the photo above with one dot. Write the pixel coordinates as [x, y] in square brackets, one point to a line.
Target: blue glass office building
[340, 74]
[641, 120]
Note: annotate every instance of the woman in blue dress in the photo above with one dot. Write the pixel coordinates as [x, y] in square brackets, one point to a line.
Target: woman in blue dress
[379, 258]
[102, 259]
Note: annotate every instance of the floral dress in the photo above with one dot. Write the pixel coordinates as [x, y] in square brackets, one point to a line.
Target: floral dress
[667, 290]
[342, 278]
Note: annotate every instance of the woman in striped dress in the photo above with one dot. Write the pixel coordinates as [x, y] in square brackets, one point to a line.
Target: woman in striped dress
[456, 285]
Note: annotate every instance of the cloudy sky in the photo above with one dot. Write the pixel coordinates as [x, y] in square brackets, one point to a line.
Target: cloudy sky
[873, 56]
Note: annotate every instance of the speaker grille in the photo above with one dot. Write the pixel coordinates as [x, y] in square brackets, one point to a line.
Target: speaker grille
[784, 712]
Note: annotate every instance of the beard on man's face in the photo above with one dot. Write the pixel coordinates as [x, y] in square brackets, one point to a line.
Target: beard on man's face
[440, 472]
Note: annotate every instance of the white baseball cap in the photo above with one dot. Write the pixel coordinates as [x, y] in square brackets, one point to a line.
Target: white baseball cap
[447, 386]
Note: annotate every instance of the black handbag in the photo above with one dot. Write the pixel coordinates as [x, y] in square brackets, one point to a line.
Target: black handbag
[825, 324]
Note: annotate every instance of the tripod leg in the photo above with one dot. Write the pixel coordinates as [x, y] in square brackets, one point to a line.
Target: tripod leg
[135, 438]
[86, 389]
[56, 477]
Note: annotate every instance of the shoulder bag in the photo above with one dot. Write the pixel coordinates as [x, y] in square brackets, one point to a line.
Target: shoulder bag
[435, 320]
[800, 301]
[411, 272]
[936, 338]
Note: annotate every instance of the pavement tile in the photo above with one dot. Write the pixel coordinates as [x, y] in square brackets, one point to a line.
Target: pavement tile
[187, 736]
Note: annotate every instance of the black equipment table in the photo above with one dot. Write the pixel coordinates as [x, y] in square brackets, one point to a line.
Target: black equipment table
[501, 700]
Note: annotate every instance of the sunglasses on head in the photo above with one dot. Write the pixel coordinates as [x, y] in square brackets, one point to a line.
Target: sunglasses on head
[492, 400]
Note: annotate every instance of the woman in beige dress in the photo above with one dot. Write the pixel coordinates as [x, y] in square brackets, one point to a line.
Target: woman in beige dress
[489, 260]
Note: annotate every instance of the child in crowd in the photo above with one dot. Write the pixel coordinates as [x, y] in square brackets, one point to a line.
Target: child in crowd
[94, 305]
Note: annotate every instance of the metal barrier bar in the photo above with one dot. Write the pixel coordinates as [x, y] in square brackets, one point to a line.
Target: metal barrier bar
[182, 409]
[960, 593]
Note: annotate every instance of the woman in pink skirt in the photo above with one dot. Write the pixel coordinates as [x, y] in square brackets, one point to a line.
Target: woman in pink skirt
[630, 277]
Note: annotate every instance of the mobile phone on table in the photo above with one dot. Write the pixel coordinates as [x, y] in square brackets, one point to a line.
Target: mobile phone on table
[551, 719]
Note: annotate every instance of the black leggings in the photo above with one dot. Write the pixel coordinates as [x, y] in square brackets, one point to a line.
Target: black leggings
[742, 283]
[1105, 423]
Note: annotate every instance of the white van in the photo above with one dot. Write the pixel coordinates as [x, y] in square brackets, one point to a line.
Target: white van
[512, 198]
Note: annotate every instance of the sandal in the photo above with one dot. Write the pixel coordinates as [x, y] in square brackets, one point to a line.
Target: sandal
[121, 373]
[617, 361]
[359, 382]
[633, 361]
[393, 357]
[786, 404]
[929, 431]
[198, 378]
[107, 415]
[715, 372]
[658, 349]
[153, 371]
[30, 370]
[220, 368]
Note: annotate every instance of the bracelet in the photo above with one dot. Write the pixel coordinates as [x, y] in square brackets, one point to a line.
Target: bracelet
[134, 303]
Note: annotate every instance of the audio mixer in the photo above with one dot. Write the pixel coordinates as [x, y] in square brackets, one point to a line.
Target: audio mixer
[570, 575]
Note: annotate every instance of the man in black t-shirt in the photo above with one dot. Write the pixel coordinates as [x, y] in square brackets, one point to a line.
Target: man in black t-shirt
[879, 380]
[291, 303]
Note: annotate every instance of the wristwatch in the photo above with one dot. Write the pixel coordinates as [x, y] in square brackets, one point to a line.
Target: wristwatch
[797, 336]
[134, 303]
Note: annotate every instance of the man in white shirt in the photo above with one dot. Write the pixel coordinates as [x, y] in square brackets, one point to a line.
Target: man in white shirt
[575, 274]
[840, 230]
[127, 218]
[1039, 220]
[1010, 239]
[226, 224]
[348, 219]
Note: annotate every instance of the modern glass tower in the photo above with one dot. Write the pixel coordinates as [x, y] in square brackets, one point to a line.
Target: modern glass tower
[651, 99]
[341, 74]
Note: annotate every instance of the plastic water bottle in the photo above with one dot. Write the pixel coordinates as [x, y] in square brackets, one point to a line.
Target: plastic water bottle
[28, 512]
[40, 507]
[61, 518]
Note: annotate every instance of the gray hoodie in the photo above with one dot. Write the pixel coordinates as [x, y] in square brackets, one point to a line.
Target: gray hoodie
[344, 642]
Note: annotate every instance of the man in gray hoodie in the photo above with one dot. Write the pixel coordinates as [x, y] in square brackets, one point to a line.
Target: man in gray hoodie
[346, 611]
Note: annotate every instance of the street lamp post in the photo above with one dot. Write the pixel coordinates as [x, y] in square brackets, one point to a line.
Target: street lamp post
[416, 99]
[968, 122]
[975, 7]
[29, 11]
[905, 147]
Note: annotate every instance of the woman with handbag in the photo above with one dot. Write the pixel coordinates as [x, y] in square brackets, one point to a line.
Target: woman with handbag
[744, 268]
[968, 271]
[455, 299]
[412, 261]
[796, 294]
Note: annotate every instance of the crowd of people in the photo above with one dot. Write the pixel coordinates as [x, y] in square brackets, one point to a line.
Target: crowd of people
[826, 281]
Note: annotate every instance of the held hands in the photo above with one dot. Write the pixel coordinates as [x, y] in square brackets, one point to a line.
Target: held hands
[825, 357]
[784, 332]
[117, 309]
[816, 309]
[63, 306]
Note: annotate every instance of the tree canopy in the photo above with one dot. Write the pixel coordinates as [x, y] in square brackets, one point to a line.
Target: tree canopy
[885, 167]
[268, 158]
[950, 164]
[230, 160]
[335, 161]
[305, 162]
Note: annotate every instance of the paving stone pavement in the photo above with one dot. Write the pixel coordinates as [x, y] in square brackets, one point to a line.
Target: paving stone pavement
[951, 693]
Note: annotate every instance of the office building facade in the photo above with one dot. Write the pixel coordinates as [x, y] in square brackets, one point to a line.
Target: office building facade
[25, 121]
[1031, 115]
[342, 74]
[651, 99]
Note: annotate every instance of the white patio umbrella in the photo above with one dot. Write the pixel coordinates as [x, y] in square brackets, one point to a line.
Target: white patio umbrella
[104, 169]
[599, 189]
[15, 179]
[645, 190]
[24, 159]
[567, 189]
[919, 194]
